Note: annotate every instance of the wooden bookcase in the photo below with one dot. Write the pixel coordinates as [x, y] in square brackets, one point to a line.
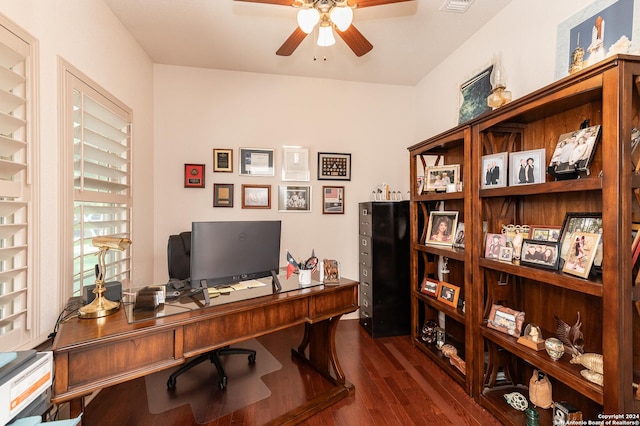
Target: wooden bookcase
[607, 94]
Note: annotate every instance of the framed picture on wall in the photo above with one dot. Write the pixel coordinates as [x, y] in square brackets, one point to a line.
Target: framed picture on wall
[194, 175]
[334, 166]
[222, 195]
[256, 196]
[222, 160]
[295, 164]
[333, 200]
[256, 162]
[294, 198]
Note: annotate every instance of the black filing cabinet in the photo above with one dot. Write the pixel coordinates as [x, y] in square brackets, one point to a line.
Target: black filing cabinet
[384, 268]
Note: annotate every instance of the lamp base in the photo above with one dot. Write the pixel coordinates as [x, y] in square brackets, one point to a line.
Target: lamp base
[100, 307]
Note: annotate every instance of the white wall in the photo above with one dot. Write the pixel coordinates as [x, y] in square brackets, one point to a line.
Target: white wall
[87, 35]
[197, 110]
[523, 34]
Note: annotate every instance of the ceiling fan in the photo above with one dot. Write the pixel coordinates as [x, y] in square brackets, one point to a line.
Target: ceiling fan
[329, 15]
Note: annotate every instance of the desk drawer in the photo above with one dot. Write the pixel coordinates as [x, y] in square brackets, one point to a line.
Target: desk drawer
[111, 362]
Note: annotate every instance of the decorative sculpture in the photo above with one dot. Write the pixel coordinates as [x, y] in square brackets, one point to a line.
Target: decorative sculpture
[594, 366]
[571, 336]
[516, 400]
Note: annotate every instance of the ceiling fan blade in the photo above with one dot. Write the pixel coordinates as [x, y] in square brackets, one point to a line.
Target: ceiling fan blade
[369, 3]
[355, 40]
[276, 2]
[292, 42]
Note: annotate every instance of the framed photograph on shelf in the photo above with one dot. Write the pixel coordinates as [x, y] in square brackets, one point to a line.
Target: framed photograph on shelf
[222, 160]
[222, 195]
[295, 164]
[506, 320]
[505, 254]
[527, 167]
[194, 175]
[574, 151]
[579, 222]
[429, 287]
[333, 200]
[442, 227]
[545, 233]
[256, 162]
[293, 198]
[334, 166]
[582, 253]
[438, 178]
[542, 254]
[448, 294]
[256, 196]
[458, 241]
[494, 170]
[493, 243]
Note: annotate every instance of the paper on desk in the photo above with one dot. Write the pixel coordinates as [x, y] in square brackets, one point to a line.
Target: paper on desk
[247, 284]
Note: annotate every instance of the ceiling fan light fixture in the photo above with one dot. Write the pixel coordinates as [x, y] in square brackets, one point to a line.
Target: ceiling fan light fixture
[325, 36]
[307, 19]
[341, 16]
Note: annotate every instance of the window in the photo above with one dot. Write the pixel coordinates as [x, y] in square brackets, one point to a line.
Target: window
[98, 134]
[18, 292]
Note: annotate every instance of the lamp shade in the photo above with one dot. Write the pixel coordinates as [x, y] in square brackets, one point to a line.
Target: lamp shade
[307, 19]
[341, 16]
[325, 36]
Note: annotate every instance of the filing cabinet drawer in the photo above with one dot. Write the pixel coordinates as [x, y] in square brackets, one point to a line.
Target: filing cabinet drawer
[365, 250]
[365, 273]
[366, 290]
[365, 220]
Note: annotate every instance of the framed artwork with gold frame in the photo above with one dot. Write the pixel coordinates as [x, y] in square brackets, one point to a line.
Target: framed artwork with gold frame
[222, 160]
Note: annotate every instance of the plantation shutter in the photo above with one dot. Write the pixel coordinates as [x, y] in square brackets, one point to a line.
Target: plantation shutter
[102, 181]
[16, 252]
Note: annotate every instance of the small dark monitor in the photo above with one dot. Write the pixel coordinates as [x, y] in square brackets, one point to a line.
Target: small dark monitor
[228, 252]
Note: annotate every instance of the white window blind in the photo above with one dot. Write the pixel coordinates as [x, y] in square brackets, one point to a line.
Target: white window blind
[102, 179]
[16, 248]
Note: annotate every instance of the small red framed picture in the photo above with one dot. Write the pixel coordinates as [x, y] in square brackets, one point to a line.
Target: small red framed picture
[194, 175]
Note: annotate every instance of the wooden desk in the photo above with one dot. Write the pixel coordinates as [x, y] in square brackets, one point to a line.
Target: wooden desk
[90, 354]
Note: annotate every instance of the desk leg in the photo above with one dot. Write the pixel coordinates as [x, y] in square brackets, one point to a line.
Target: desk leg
[320, 340]
[76, 407]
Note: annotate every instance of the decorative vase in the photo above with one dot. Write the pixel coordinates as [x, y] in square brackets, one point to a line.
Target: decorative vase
[554, 348]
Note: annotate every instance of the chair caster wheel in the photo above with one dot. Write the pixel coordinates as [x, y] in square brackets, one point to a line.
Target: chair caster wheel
[171, 383]
[223, 383]
[252, 359]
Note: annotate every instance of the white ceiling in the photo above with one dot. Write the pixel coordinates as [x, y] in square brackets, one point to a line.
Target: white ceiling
[409, 38]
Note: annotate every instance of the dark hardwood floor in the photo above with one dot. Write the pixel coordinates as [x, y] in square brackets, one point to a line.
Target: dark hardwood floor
[395, 385]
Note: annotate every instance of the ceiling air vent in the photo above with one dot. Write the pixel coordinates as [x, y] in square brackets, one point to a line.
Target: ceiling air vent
[458, 6]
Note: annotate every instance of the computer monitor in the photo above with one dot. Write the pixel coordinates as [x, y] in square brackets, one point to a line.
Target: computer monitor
[223, 253]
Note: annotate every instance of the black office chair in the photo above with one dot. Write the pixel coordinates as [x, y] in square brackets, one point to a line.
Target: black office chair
[178, 259]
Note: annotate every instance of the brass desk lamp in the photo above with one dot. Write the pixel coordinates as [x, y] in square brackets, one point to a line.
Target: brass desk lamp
[101, 306]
